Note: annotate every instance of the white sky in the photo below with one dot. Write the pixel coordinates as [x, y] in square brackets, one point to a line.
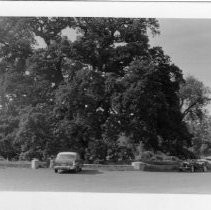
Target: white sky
[188, 43]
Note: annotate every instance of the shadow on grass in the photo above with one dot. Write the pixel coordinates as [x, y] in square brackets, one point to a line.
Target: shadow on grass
[90, 171]
[83, 172]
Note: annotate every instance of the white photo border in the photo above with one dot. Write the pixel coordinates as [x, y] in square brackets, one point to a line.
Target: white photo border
[104, 201]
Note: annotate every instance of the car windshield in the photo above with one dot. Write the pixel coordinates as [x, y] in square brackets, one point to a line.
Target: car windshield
[66, 157]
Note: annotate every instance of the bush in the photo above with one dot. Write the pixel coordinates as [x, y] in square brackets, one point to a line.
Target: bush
[96, 152]
[147, 155]
[159, 158]
[183, 153]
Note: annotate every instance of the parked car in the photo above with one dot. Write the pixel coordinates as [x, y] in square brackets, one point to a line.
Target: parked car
[67, 161]
[208, 159]
[194, 165]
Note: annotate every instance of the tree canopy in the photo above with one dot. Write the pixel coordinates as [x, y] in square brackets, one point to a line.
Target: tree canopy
[83, 94]
[194, 98]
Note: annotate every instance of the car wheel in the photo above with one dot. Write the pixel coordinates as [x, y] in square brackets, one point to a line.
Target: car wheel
[192, 169]
[59, 171]
[55, 170]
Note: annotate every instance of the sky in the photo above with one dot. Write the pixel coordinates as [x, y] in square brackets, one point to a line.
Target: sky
[188, 43]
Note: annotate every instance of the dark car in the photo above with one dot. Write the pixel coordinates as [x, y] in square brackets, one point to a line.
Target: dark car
[194, 165]
[67, 161]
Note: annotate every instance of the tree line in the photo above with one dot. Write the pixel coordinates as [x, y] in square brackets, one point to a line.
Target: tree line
[82, 94]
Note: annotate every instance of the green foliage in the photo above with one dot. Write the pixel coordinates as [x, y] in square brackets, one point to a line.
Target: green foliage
[110, 44]
[149, 106]
[80, 95]
[33, 136]
[96, 152]
[194, 96]
[8, 129]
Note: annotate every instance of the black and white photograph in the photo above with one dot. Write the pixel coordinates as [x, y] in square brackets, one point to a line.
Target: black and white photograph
[105, 105]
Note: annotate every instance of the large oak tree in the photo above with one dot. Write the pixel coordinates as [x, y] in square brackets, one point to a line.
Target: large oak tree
[83, 94]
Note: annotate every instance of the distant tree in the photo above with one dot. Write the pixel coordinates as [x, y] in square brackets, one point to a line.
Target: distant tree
[194, 97]
[200, 129]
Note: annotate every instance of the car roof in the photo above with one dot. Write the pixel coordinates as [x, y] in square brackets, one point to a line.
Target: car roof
[67, 153]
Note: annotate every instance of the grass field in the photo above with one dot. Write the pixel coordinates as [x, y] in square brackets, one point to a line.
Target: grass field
[90, 180]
